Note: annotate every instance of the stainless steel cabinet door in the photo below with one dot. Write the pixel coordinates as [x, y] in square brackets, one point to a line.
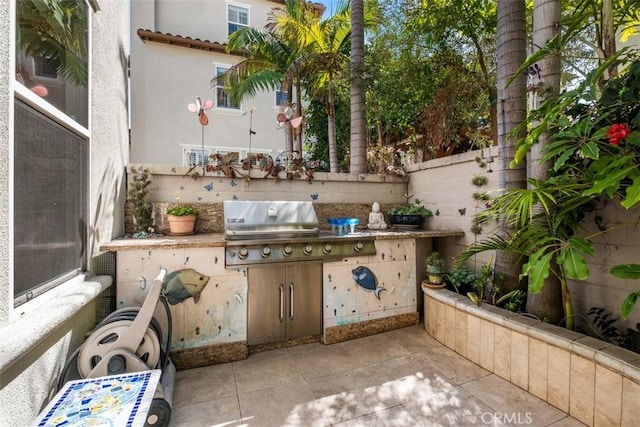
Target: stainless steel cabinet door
[266, 305]
[304, 300]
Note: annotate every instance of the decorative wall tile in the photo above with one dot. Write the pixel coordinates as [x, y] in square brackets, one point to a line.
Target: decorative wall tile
[487, 340]
[582, 389]
[520, 360]
[558, 371]
[608, 398]
[473, 338]
[450, 326]
[461, 333]
[630, 403]
[502, 352]
[538, 368]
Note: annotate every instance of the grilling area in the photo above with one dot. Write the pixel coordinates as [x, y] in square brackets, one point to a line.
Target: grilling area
[275, 273]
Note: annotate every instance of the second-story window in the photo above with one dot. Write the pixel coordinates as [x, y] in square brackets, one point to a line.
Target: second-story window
[237, 17]
[223, 100]
[281, 98]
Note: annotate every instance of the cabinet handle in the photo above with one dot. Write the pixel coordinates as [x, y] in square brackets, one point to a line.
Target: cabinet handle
[281, 302]
[291, 302]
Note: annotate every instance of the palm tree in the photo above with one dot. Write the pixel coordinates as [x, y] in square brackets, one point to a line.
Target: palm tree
[325, 45]
[512, 110]
[268, 57]
[358, 121]
[547, 14]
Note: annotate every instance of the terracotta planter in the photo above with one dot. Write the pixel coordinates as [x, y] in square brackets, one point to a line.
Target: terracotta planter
[181, 225]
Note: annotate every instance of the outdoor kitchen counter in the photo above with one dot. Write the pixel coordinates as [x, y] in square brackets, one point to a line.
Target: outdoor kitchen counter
[212, 240]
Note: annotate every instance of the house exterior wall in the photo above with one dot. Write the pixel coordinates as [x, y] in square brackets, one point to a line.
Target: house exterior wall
[38, 338]
[166, 78]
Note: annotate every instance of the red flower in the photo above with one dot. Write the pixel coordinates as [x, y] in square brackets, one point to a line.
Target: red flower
[617, 132]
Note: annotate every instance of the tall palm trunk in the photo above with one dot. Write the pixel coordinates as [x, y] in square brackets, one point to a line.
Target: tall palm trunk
[358, 162]
[548, 303]
[331, 132]
[512, 109]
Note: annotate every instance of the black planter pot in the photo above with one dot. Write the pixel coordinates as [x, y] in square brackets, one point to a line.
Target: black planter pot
[408, 220]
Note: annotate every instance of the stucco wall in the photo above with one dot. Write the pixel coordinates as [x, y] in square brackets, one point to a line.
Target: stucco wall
[37, 338]
[445, 185]
[166, 78]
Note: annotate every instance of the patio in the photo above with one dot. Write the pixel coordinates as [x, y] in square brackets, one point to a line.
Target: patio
[399, 378]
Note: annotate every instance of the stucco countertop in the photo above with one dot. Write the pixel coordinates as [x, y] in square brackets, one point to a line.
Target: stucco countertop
[211, 240]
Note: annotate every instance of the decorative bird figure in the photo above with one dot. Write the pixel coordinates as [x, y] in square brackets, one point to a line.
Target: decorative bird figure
[201, 109]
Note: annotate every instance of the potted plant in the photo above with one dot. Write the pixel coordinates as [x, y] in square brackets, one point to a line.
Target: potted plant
[436, 268]
[182, 220]
[409, 215]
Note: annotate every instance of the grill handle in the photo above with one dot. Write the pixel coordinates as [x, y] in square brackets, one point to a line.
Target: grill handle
[281, 302]
[291, 301]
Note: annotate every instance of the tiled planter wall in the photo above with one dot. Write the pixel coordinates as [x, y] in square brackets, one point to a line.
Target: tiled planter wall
[592, 380]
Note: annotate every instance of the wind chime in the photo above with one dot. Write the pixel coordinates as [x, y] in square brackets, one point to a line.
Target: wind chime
[199, 108]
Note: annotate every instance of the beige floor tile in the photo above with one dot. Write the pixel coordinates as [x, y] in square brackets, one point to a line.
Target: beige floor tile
[264, 370]
[455, 407]
[567, 422]
[291, 404]
[392, 417]
[203, 384]
[317, 359]
[223, 411]
[515, 405]
[413, 338]
[455, 367]
[355, 402]
[409, 378]
[375, 348]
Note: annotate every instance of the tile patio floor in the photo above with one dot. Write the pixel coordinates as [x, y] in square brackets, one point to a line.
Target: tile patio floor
[398, 378]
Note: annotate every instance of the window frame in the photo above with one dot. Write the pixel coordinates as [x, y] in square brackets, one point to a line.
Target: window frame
[218, 86]
[239, 25]
[20, 92]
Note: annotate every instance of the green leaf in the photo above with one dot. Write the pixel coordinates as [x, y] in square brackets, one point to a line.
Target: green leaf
[560, 161]
[628, 304]
[538, 270]
[633, 138]
[582, 244]
[610, 183]
[575, 267]
[626, 271]
[474, 297]
[590, 150]
[632, 195]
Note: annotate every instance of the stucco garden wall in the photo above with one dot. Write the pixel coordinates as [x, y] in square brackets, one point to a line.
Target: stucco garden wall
[445, 185]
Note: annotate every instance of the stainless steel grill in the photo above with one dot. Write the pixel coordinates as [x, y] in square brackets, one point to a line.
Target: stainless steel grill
[265, 232]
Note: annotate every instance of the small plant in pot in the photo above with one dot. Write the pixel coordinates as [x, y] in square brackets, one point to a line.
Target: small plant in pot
[436, 268]
[182, 220]
[409, 215]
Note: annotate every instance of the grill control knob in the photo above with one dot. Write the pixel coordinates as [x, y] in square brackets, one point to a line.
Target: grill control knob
[307, 250]
[266, 251]
[358, 246]
[243, 253]
[327, 248]
[288, 250]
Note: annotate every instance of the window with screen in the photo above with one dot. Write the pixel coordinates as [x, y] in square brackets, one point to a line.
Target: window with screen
[50, 145]
[223, 100]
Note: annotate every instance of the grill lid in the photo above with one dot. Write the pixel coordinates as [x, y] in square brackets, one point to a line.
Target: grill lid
[248, 220]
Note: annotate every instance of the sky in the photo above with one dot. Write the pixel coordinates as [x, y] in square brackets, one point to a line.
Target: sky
[331, 6]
